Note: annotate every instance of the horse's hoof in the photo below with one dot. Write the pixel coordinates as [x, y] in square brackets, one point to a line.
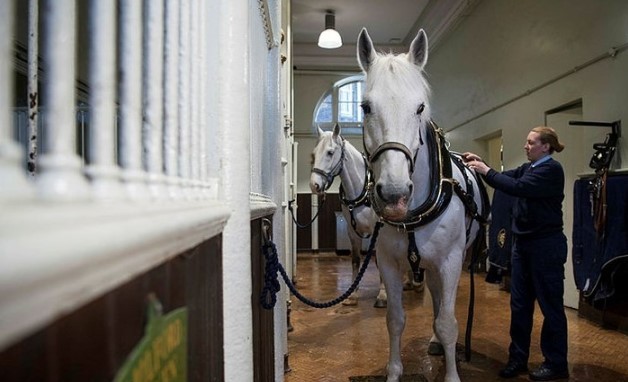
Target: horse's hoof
[380, 303]
[435, 349]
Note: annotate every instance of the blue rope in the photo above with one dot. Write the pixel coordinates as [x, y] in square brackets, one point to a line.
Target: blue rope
[268, 297]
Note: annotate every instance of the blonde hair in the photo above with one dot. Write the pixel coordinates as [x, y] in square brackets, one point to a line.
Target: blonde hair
[548, 135]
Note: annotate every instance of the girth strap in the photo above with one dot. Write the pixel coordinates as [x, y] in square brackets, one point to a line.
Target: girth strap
[415, 259]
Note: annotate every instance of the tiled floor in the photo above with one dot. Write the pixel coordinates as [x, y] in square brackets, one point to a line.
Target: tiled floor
[336, 343]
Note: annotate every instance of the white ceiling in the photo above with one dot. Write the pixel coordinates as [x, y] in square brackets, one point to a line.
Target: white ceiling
[392, 24]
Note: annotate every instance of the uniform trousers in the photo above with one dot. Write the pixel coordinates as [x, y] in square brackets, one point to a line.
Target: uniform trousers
[537, 273]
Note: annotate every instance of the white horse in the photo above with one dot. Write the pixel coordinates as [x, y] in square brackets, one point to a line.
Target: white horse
[334, 156]
[414, 180]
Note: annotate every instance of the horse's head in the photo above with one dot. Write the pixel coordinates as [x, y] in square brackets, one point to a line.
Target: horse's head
[327, 160]
[396, 110]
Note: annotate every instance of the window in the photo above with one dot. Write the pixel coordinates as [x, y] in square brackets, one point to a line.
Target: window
[341, 104]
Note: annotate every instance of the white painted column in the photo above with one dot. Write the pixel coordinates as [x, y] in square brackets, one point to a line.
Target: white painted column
[233, 140]
[102, 168]
[171, 107]
[184, 97]
[14, 184]
[61, 177]
[152, 85]
[33, 86]
[130, 88]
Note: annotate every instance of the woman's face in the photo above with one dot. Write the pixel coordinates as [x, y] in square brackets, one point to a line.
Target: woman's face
[535, 150]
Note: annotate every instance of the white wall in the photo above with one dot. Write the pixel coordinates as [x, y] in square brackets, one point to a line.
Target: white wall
[505, 48]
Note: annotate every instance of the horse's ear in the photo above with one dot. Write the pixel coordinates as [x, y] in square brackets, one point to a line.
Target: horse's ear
[319, 131]
[336, 130]
[366, 51]
[418, 49]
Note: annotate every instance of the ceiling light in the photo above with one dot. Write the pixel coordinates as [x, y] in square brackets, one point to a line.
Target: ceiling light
[330, 38]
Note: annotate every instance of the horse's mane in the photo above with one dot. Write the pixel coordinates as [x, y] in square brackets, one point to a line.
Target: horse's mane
[392, 72]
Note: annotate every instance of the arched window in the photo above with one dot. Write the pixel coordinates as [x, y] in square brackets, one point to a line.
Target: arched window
[341, 104]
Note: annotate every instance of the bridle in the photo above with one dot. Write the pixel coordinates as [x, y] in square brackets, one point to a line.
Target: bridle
[335, 171]
[351, 204]
[395, 146]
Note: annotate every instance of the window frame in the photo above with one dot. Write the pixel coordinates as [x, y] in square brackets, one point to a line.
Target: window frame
[348, 127]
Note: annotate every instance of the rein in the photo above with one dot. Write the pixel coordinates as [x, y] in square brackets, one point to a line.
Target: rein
[299, 225]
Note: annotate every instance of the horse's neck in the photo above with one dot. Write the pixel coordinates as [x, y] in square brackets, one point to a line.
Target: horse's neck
[353, 172]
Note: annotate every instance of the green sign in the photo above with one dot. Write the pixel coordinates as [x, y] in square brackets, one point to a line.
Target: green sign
[161, 355]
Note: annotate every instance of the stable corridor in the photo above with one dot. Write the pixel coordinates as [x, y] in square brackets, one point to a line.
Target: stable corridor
[350, 343]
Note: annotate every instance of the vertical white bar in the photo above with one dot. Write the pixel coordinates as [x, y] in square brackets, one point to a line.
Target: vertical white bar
[33, 88]
[130, 88]
[61, 177]
[102, 168]
[153, 95]
[194, 97]
[184, 96]
[233, 135]
[206, 191]
[12, 177]
[171, 108]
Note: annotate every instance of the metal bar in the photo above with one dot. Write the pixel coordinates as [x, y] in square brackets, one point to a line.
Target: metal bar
[194, 97]
[130, 90]
[33, 88]
[101, 150]
[171, 108]
[184, 95]
[61, 177]
[14, 183]
[152, 84]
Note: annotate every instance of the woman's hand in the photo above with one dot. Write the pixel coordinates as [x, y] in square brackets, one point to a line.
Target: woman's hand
[468, 157]
[478, 166]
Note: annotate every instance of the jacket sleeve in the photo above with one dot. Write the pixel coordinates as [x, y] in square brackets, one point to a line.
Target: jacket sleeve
[539, 182]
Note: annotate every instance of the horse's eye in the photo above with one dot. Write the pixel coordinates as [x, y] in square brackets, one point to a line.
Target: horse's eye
[420, 109]
[366, 108]
[330, 153]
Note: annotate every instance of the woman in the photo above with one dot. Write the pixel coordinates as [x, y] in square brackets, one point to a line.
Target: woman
[539, 253]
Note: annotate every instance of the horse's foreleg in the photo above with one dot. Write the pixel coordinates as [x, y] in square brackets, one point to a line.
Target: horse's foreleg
[395, 316]
[382, 297]
[433, 283]
[380, 301]
[445, 324]
[356, 248]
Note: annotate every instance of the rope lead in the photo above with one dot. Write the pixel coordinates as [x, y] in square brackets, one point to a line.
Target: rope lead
[268, 297]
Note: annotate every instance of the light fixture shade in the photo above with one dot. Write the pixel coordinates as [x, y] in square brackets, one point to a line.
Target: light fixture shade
[330, 39]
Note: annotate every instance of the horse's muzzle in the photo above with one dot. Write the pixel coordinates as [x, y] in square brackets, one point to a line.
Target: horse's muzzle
[392, 204]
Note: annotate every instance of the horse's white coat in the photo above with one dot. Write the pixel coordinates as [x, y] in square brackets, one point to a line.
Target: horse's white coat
[326, 157]
[395, 90]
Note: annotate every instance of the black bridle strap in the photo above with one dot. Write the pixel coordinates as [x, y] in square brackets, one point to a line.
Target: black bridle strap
[396, 146]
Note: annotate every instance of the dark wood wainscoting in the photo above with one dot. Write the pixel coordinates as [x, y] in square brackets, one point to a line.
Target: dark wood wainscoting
[326, 222]
[304, 215]
[263, 320]
[93, 342]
